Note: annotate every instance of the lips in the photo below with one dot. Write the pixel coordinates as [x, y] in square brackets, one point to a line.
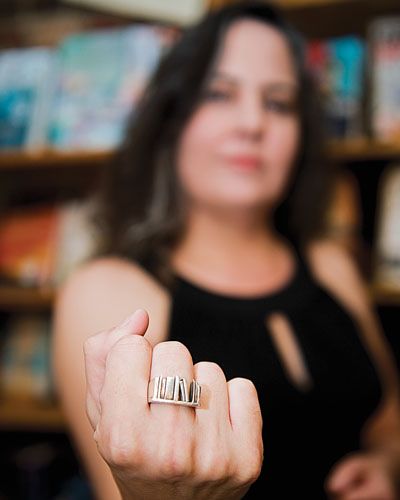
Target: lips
[245, 162]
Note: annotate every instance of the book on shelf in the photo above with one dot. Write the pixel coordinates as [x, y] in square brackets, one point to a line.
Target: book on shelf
[338, 66]
[387, 246]
[25, 96]
[27, 249]
[24, 359]
[384, 44]
[79, 94]
[41, 245]
[100, 77]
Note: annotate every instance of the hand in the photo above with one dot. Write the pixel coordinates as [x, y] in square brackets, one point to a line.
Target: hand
[163, 451]
[362, 476]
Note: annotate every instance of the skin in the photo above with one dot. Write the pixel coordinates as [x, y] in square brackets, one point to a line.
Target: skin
[135, 450]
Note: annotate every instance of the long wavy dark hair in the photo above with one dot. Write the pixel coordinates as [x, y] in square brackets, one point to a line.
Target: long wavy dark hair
[141, 212]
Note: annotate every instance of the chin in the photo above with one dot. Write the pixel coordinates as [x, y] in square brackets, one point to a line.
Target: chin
[249, 199]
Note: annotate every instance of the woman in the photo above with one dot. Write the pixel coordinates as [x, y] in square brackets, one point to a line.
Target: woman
[214, 212]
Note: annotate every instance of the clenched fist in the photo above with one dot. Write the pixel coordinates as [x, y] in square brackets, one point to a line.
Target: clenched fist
[163, 451]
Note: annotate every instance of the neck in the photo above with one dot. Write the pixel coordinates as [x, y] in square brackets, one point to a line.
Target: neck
[222, 245]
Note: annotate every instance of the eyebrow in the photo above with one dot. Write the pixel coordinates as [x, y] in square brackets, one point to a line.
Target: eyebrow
[275, 85]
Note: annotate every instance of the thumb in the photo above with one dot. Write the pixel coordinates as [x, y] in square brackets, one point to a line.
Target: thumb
[136, 323]
[345, 474]
[96, 349]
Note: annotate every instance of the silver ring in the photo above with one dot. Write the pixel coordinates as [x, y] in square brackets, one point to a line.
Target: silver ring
[174, 390]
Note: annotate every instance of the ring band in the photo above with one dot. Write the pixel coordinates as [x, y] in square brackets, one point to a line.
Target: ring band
[174, 390]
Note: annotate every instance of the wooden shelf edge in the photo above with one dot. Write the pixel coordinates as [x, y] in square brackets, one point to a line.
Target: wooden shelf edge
[362, 149]
[10, 159]
[19, 298]
[30, 416]
[385, 295]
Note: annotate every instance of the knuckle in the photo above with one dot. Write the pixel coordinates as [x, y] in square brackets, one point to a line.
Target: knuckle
[91, 344]
[174, 465]
[252, 470]
[210, 369]
[248, 470]
[171, 347]
[133, 340]
[118, 451]
[215, 467]
[243, 384]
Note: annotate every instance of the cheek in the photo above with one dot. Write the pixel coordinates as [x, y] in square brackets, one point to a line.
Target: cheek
[283, 145]
[283, 142]
[195, 151]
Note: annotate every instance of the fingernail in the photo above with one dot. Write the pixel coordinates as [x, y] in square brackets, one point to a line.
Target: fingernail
[131, 317]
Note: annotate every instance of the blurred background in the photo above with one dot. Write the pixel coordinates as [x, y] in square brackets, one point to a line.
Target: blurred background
[70, 74]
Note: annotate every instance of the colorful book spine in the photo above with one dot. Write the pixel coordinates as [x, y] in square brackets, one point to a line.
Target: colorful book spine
[338, 65]
[101, 76]
[28, 239]
[25, 359]
[387, 247]
[26, 79]
[384, 40]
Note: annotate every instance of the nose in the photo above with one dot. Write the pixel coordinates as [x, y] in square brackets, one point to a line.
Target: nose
[251, 117]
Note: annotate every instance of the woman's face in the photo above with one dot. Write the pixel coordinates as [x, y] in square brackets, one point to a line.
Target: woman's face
[238, 147]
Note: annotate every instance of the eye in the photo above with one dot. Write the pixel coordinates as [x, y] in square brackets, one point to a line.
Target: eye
[215, 95]
[282, 106]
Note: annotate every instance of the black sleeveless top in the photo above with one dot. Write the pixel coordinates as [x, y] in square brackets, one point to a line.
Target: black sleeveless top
[304, 432]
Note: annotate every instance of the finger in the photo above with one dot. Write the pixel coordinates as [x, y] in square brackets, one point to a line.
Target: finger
[213, 414]
[345, 475]
[171, 431]
[363, 493]
[213, 433]
[172, 358]
[96, 349]
[246, 422]
[123, 397]
[375, 488]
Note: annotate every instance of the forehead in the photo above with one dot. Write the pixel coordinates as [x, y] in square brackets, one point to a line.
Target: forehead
[254, 50]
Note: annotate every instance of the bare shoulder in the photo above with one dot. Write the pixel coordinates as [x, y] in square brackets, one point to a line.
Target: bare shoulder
[101, 293]
[335, 269]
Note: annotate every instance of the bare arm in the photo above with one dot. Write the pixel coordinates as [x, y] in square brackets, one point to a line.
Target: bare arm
[96, 297]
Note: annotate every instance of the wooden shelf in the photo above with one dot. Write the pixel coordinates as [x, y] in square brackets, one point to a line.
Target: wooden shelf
[385, 296]
[10, 160]
[30, 416]
[359, 149]
[363, 149]
[14, 298]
